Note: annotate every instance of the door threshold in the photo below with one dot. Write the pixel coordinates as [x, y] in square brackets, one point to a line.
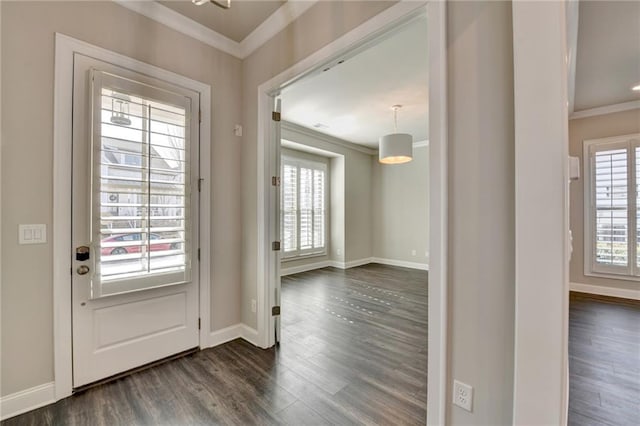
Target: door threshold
[118, 376]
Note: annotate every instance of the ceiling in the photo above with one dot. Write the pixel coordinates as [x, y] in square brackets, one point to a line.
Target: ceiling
[608, 53]
[235, 23]
[353, 100]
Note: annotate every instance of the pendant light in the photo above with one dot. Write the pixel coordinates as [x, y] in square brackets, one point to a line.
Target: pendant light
[395, 148]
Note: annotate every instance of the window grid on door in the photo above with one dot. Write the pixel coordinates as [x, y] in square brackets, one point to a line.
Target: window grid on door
[141, 190]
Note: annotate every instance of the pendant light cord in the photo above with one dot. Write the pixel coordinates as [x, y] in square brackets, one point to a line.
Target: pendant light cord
[395, 117]
[395, 120]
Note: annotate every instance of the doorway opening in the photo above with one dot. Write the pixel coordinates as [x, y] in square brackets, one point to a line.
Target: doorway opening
[325, 234]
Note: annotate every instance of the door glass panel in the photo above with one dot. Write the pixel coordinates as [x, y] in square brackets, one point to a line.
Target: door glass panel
[140, 195]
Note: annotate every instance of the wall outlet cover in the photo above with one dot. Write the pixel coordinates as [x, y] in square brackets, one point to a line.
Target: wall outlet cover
[463, 395]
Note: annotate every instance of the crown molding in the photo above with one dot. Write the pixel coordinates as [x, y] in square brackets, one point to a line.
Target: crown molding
[296, 128]
[172, 19]
[276, 22]
[271, 26]
[609, 109]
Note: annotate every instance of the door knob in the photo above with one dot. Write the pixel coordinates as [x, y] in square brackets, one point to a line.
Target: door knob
[82, 269]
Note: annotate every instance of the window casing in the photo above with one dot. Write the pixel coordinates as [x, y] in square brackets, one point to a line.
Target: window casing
[611, 214]
[303, 207]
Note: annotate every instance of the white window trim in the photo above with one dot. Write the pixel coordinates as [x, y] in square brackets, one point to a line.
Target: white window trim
[314, 165]
[591, 268]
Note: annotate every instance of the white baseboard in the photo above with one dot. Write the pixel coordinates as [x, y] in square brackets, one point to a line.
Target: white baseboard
[353, 264]
[605, 291]
[249, 334]
[305, 268]
[224, 335]
[236, 331]
[401, 263]
[27, 400]
[357, 262]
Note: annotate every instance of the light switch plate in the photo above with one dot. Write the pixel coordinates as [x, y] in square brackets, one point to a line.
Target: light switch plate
[32, 234]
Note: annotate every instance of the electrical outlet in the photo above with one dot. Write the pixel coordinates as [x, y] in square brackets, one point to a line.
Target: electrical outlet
[338, 252]
[413, 252]
[253, 305]
[462, 395]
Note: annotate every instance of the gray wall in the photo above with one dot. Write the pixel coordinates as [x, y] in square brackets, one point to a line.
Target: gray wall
[481, 209]
[27, 162]
[602, 126]
[401, 209]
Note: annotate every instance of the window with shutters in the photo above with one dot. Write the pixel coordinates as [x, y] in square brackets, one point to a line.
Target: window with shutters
[141, 197]
[612, 182]
[303, 207]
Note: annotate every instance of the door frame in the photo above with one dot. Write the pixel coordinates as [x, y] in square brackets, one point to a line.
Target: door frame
[65, 47]
[541, 95]
[438, 289]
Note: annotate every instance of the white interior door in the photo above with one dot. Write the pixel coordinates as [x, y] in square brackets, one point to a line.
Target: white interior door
[134, 220]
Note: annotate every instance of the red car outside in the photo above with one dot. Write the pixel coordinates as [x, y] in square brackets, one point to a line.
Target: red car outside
[130, 238]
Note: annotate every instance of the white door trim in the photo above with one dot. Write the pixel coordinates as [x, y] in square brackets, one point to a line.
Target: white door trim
[62, 140]
[437, 362]
[541, 213]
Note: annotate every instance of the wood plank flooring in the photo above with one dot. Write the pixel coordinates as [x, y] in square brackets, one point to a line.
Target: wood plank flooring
[604, 361]
[353, 351]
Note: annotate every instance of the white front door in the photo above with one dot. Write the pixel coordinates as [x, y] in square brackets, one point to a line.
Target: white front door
[134, 220]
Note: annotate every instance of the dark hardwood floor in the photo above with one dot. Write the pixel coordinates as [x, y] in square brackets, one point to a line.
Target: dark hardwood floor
[604, 361]
[353, 351]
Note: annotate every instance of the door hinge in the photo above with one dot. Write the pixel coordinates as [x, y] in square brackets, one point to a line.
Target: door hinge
[199, 323]
[198, 254]
[275, 246]
[275, 116]
[275, 311]
[199, 116]
[275, 180]
[200, 184]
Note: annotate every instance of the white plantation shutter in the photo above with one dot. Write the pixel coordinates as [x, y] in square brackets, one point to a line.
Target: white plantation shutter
[318, 209]
[303, 207]
[612, 228]
[306, 208]
[141, 193]
[611, 201]
[289, 200]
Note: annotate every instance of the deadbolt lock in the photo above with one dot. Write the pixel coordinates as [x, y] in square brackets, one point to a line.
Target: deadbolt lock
[82, 253]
